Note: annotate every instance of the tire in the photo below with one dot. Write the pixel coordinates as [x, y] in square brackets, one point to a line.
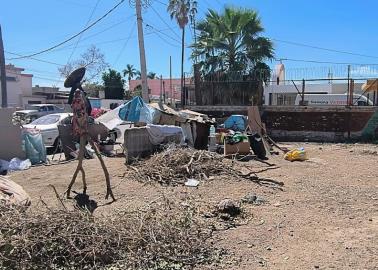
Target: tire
[57, 144]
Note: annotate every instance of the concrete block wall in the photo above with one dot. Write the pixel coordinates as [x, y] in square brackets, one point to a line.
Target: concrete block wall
[10, 136]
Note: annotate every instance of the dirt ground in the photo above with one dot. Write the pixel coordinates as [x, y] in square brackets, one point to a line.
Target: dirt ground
[325, 216]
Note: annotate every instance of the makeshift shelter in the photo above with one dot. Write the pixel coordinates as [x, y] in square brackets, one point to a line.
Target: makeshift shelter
[136, 110]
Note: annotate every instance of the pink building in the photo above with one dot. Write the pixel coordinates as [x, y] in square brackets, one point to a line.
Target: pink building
[156, 85]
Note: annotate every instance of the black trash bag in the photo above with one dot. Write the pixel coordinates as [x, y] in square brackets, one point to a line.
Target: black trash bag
[257, 145]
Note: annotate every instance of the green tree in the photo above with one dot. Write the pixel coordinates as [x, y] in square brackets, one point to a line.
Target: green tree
[151, 75]
[130, 72]
[231, 41]
[113, 84]
[138, 75]
[93, 89]
[180, 10]
[137, 91]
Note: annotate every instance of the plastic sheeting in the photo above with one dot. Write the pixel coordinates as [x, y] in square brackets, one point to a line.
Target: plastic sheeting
[136, 110]
[236, 122]
[159, 134]
[34, 148]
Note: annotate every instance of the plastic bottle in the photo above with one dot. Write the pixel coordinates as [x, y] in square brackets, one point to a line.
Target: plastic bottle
[212, 130]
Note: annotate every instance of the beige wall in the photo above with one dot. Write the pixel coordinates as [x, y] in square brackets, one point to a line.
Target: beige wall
[10, 137]
[20, 85]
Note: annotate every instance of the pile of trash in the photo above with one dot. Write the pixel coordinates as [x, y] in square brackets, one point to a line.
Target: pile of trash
[176, 165]
[161, 235]
[13, 194]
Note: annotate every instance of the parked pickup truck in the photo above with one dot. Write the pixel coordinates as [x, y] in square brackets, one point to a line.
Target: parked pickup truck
[34, 112]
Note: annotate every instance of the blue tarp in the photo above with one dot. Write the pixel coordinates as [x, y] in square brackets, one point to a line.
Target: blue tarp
[236, 122]
[34, 148]
[136, 110]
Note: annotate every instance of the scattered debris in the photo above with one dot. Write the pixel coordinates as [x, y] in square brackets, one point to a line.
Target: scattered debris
[252, 198]
[176, 164]
[12, 193]
[230, 207]
[298, 154]
[162, 235]
[369, 152]
[192, 182]
[84, 203]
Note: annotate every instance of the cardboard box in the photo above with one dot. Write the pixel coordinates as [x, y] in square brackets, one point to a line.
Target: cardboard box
[242, 148]
[218, 138]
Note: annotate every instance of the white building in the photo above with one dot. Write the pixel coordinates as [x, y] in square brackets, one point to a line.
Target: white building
[282, 92]
[19, 85]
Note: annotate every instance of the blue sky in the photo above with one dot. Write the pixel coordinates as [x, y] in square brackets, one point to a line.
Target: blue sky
[30, 26]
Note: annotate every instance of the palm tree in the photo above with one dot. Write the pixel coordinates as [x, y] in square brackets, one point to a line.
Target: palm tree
[138, 75]
[179, 10]
[231, 41]
[151, 75]
[192, 16]
[130, 72]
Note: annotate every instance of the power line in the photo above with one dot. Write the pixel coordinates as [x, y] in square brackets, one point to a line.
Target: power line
[108, 28]
[44, 78]
[81, 35]
[163, 39]
[161, 31]
[32, 58]
[324, 49]
[164, 22]
[93, 35]
[67, 40]
[124, 45]
[105, 42]
[160, 2]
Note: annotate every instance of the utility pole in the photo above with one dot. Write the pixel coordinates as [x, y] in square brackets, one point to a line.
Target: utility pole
[348, 96]
[143, 69]
[170, 80]
[3, 76]
[164, 92]
[161, 88]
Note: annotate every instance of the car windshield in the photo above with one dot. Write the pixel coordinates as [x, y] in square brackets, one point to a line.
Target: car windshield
[46, 120]
[34, 108]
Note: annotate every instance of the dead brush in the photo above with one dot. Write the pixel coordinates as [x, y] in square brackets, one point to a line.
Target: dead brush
[163, 235]
[175, 165]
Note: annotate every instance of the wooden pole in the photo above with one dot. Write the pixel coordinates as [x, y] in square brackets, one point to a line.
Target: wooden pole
[351, 101]
[3, 76]
[161, 88]
[182, 68]
[348, 91]
[164, 95]
[143, 68]
[170, 80]
[303, 91]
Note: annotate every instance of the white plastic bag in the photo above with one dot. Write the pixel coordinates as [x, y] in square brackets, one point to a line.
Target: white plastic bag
[17, 164]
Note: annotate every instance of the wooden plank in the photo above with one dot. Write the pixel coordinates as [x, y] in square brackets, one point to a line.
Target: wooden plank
[254, 119]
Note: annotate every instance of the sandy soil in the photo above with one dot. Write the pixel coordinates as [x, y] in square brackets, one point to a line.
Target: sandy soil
[325, 216]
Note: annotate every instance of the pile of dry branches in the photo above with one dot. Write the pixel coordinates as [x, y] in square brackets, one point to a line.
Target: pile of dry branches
[161, 236]
[175, 165]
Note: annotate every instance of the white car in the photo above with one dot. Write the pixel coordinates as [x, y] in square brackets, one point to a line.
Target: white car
[48, 126]
[34, 112]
